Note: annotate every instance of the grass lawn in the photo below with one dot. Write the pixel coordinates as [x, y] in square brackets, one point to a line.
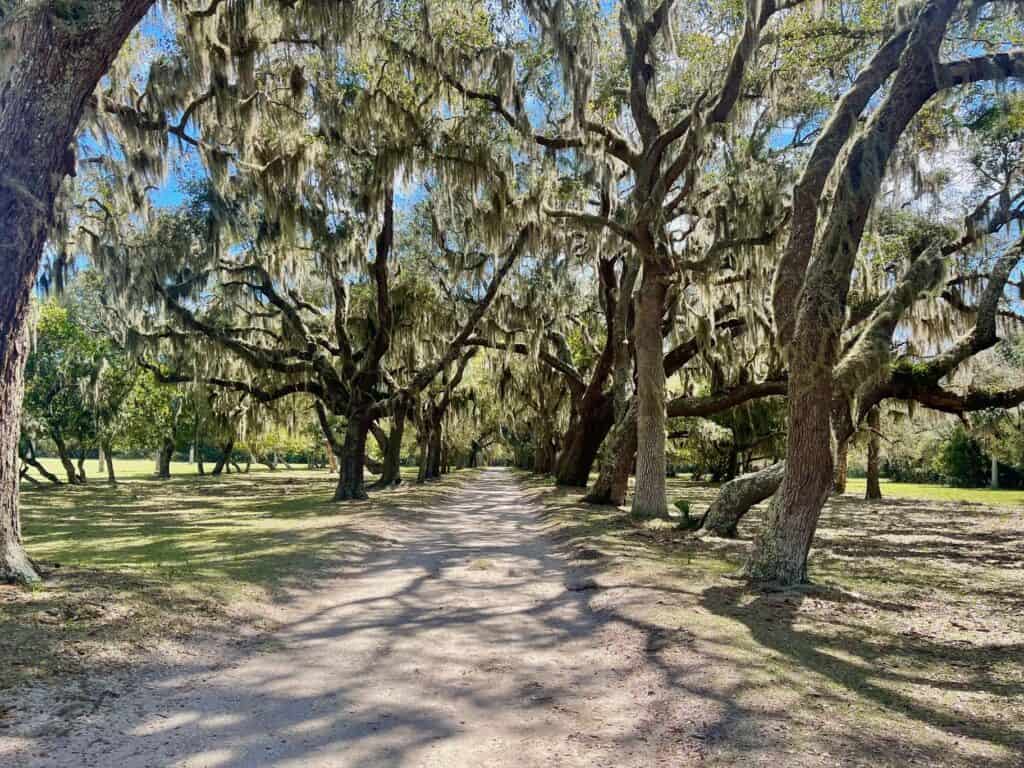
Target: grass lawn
[855, 486]
[131, 469]
[907, 649]
[148, 559]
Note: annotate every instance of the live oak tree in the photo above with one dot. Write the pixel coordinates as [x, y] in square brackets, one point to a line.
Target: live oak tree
[814, 274]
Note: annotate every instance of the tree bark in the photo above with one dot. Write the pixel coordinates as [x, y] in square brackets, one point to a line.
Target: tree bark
[353, 461]
[612, 482]
[780, 551]
[52, 64]
[392, 472]
[736, 497]
[840, 471]
[15, 565]
[994, 482]
[434, 453]
[424, 459]
[649, 499]
[582, 441]
[874, 489]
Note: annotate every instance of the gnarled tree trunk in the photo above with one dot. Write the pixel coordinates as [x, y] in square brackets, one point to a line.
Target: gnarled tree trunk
[612, 482]
[28, 456]
[582, 441]
[736, 497]
[353, 461]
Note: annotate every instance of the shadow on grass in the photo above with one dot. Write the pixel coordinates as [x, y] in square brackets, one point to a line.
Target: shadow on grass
[148, 559]
[909, 648]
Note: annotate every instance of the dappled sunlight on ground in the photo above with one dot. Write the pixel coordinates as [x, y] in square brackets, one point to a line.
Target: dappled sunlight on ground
[907, 650]
[481, 621]
[152, 558]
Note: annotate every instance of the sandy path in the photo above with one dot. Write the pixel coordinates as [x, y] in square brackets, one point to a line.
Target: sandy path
[469, 642]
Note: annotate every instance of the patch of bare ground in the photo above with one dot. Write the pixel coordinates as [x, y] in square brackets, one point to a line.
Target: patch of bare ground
[908, 648]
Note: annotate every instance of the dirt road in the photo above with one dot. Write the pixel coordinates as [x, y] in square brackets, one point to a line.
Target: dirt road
[470, 641]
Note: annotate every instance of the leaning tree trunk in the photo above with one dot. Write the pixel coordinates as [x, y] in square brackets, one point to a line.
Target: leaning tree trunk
[52, 63]
[612, 482]
[81, 466]
[65, 458]
[780, 551]
[353, 460]
[736, 497]
[31, 460]
[649, 499]
[582, 441]
[874, 489]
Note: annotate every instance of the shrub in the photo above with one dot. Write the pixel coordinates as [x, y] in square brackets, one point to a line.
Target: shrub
[962, 461]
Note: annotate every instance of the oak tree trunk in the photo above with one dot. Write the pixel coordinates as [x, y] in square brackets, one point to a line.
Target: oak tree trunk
[52, 63]
[163, 459]
[840, 471]
[111, 476]
[582, 441]
[612, 482]
[64, 456]
[353, 461]
[780, 550]
[736, 497]
[392, 472]
[434, 453]
[649, 499]
[874, 489]
[14, 563]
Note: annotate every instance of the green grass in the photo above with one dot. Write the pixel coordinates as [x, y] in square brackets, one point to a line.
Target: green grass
[149, 559]
[855, 486]
[133, 469]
